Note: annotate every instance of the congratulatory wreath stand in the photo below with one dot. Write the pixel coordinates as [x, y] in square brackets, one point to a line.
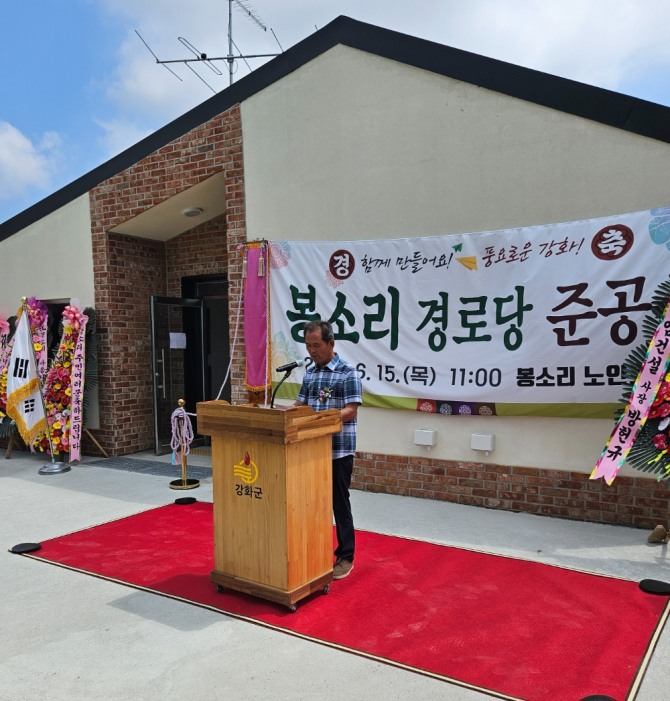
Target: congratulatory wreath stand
[64, 392]
[46, 406]
[25, 393]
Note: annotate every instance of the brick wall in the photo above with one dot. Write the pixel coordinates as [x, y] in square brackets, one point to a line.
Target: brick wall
[200, 251]
[631, 501]
[205, 250]
[134, 270]
[128, 270]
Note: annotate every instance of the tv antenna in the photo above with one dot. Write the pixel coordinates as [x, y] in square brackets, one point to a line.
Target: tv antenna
[245, 7]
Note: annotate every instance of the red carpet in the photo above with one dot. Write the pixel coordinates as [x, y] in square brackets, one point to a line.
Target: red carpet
[511, 628]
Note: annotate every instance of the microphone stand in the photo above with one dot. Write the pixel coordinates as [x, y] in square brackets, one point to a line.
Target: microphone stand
[286, 374]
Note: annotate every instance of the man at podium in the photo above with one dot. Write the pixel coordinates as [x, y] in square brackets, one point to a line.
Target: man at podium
[332, 383]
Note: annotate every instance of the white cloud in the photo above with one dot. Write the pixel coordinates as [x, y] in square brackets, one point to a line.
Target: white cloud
[119, 134]
[609, 43]
[25, 165]
[147, 90]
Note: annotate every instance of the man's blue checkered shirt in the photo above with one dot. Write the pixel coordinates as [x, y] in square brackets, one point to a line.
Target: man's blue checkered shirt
[331, 387]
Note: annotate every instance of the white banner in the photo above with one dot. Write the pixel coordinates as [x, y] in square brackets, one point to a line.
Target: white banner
[77, 385]
[536, 320]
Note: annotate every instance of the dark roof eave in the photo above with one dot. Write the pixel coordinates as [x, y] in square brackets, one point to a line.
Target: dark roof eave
[596, 104]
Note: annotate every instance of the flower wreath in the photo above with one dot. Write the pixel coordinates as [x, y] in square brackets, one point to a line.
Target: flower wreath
[650, 451]
[57, 389]
[58, 386]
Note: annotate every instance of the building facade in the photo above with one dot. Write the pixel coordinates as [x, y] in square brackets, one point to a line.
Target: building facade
[357, 133]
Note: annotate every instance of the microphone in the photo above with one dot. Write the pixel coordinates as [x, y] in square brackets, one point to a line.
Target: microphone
[290, 366]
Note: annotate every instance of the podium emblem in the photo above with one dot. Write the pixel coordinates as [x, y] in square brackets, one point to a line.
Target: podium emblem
[246, 470]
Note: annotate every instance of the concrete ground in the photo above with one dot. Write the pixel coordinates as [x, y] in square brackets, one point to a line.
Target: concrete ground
[64, 635]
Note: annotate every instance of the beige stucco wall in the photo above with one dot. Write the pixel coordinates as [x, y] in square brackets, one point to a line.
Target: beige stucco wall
[50, 259]
[353, 146]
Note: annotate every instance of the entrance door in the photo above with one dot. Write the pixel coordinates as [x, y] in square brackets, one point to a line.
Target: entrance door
[214, 295]
[177, 348]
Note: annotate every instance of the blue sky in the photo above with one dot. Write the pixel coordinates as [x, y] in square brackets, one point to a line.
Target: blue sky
[79, 86]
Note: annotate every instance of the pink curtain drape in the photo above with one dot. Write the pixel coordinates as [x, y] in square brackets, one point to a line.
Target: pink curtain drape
[256, 317]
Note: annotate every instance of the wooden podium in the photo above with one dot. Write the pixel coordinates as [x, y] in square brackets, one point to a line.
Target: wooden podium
[272, 486]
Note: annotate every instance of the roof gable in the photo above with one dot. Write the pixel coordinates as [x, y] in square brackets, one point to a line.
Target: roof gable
[596, 104]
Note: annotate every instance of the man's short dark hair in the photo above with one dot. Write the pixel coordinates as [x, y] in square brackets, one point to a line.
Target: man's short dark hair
[323, 326]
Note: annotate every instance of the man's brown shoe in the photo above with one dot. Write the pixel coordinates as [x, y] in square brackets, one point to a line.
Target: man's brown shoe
[658, 535]
[342, 568]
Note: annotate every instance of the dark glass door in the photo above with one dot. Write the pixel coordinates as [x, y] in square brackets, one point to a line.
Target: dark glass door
[178, 371]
